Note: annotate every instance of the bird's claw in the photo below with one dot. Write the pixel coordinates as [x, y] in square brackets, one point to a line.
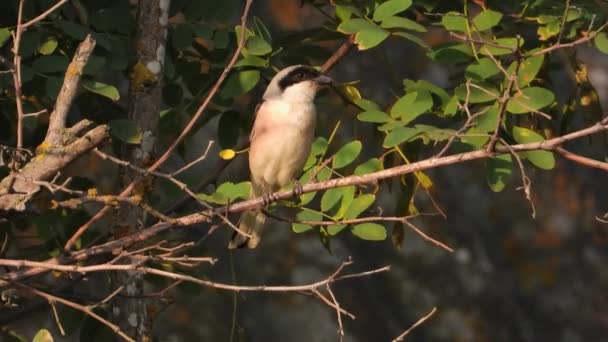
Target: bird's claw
[297, 188]
[268, 198]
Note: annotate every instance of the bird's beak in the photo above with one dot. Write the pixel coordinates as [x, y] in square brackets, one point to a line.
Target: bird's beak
[323, 80]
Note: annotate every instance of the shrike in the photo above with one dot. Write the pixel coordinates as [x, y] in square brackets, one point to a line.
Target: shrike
[281, 138]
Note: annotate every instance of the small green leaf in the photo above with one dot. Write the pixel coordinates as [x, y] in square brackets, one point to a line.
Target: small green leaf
[573, 14]
[335, 229]
[390, 8]
[5, 34]
[451, 107]
[422, 85]
[510, 44]
[479, 92]
[356, 25]
[454, 21]
[239, 83]
[486, 20]
[125, 130]
[551, 29]
[348, 195]
[541, 159]
[412, 105]
[369, 166]
[235, 191]
[347, 154]
[482, 70]
[330, 198]
[305, 215]
[319, 146]
[367, 105]
[374, 116]
[530, 99]
[498, 170]
[253, 61]
[399, 135]
[43, 335]
[452, 53]
[48, 47]
[359, 205]
[601, 42]
[102, 89]
[400, 22]
[369, 231]
[367, 34]
[258, 46]
[528, 69]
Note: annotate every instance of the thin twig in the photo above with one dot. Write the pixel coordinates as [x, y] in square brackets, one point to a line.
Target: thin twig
[420, 321]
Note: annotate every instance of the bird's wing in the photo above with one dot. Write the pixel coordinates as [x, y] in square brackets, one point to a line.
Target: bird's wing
[255, 114]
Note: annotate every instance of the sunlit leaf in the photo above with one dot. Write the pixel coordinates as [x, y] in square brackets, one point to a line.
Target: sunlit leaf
[601, 42]
[239, 83]
[48, 47]
[359, 205]
[102, 89]
[542, 159]
[43, 335]
[486, 20]
[372, 165]
[530, 99]
[5, 34]
[390, 8]
[347, 154]
[305, 215]
[454, 21]
[398, 136]
[482, 70]
[227, 154]
[374, 116]
[369, 231]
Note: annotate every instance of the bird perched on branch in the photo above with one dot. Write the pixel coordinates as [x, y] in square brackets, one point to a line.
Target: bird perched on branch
[281, 139]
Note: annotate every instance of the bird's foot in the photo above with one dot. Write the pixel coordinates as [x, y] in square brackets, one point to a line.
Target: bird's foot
[297, 188]
[268, 197]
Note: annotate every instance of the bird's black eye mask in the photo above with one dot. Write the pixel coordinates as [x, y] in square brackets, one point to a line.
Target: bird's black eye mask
[298, 75]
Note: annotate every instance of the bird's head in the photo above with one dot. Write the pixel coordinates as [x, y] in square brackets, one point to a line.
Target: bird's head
[296, 83]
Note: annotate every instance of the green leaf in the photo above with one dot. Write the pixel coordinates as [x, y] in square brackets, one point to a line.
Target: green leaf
[528, 69]
[451, 107]
[510, 44]
[369, 231]
[498, 170]
[227, 192]
[551, 29]
[335, 229]
[48, 47]
[251, 60]
[348, 195]
[102, 89]
[258, 46]
[452, 53]
[367, 105]
[454, 21]
[412, 105]
[367, 34]
[330, 198]
[433, 134]
[5, 34]
[125, 130]
[359, 205]
[530, 99]
[374, 116]
[50, 64]
[573, 14]
[43, 335]
[399, 135]
[239, 83]
[486, 20]
[477, 95]
[369, 166]
[400, 22]
[347, 154]
[390, 8]
[319, 146]
[482, 70]
[541, 159]
[422, 85]
[601, 42]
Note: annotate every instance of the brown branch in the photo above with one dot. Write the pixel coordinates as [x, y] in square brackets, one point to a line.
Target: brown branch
[84, 309]
[68, 91]
[582, 160]
[18, 187]
[184, 132]
[17, 74]
[339, 54]
[420, 321]
[44, 15]
[158, 228]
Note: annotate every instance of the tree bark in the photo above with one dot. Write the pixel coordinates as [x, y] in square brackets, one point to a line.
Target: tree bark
[130, 311]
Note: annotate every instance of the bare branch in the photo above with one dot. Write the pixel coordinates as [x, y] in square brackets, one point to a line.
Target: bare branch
[419, 322]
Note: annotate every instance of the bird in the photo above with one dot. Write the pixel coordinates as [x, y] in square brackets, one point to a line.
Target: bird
[280, 141]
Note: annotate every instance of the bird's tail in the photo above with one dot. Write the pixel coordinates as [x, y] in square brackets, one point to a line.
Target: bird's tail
[252, 223]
